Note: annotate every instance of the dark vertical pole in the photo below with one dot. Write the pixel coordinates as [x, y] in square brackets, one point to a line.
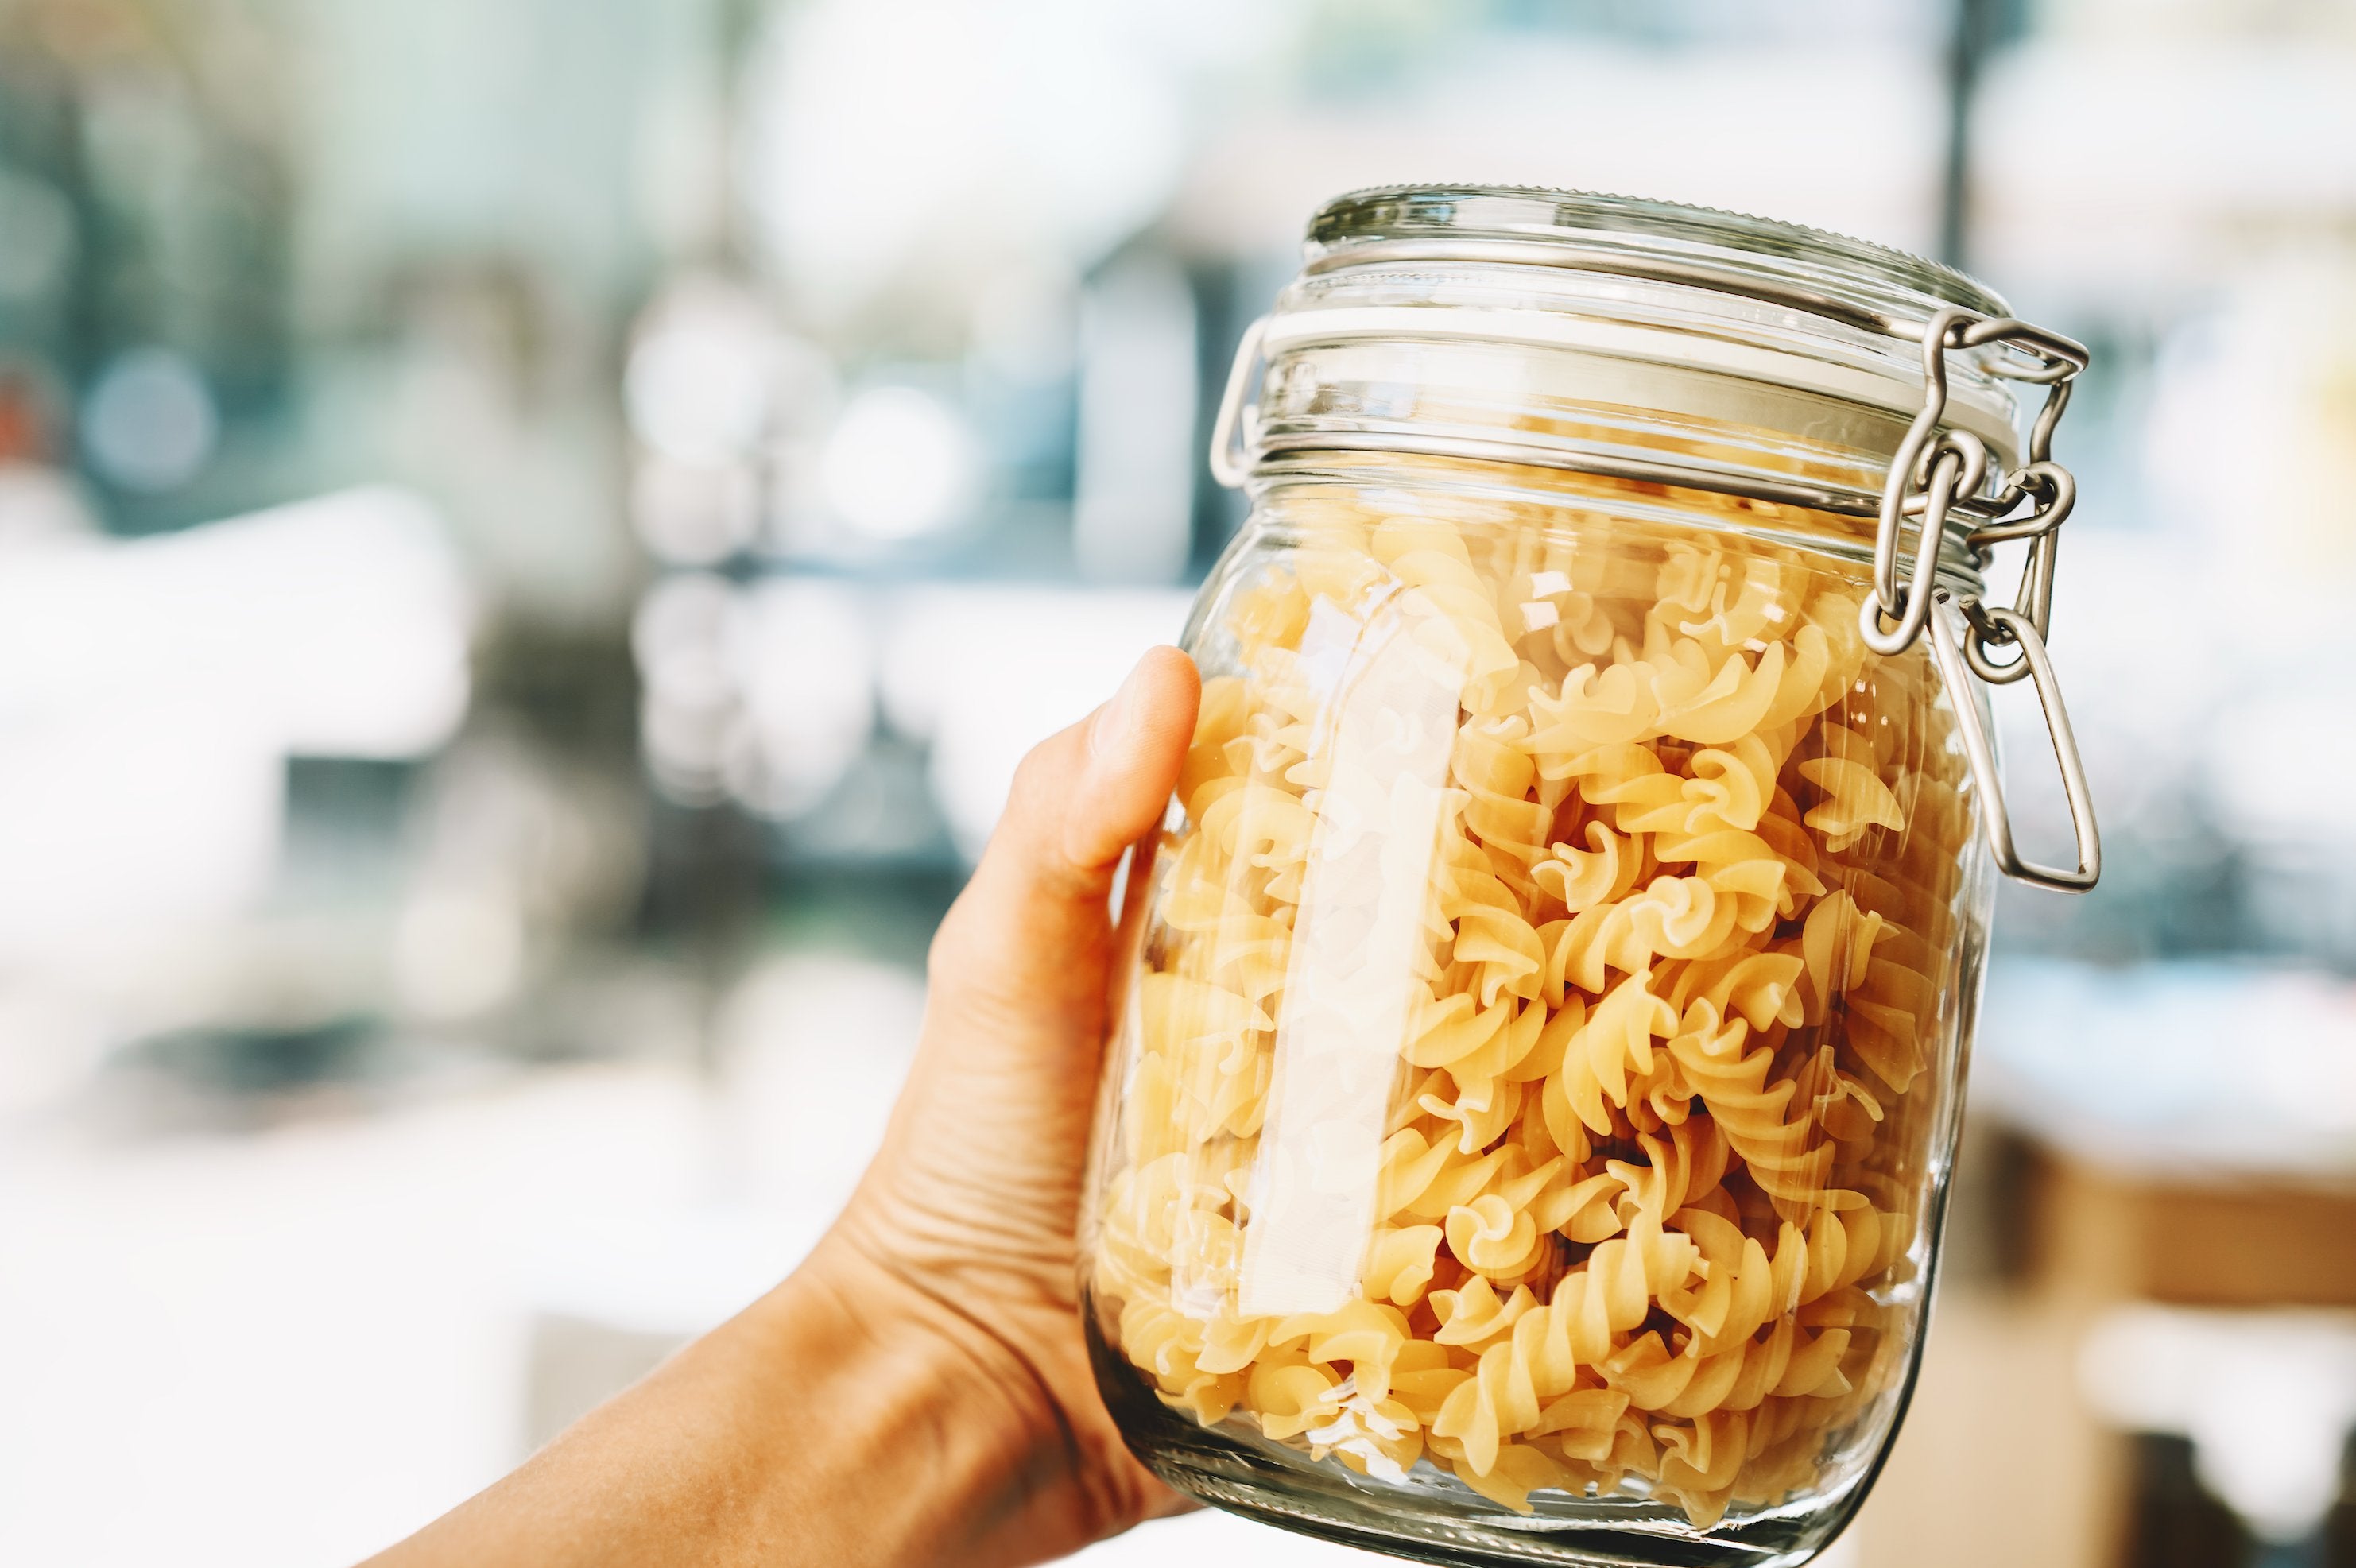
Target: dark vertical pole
[1978, 24]
[1954, 176]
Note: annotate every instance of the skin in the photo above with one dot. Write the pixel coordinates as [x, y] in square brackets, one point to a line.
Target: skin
[917, 1392]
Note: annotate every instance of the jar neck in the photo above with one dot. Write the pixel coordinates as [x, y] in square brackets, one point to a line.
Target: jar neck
[1628, 377]
[1494, 488]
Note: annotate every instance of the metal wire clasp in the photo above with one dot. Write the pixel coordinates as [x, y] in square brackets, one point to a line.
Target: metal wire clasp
[1933, 472]
[1231, 436]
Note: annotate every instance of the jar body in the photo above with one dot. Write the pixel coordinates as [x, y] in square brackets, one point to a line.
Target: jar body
[1538, 1057]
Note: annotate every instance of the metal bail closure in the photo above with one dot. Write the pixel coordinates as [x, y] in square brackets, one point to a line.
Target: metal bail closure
[1935, 470]
[1993, 816]
[1231, 434]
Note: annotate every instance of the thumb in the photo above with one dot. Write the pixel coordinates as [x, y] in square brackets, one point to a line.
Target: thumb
[1032, 925]
[1136, 744]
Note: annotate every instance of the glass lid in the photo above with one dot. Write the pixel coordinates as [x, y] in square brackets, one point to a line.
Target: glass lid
[1641, 238]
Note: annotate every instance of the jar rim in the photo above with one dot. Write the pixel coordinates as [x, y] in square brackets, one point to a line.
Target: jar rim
[1731, 248]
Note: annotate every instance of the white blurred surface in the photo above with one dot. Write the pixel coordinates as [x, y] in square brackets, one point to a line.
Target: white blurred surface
[334, 627]
[152, 691]
[1210, 1537]
[303, 1344]
[308, 1341]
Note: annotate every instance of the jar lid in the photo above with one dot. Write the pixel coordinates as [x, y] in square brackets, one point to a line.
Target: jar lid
[1714, 249]
[1615, 336]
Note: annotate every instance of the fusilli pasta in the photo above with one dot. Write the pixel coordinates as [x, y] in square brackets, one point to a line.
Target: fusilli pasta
[1516, 1076]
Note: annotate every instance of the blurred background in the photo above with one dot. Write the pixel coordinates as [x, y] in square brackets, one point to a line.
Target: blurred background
[533, 532]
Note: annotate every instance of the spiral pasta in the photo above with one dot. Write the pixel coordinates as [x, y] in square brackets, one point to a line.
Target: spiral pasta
[1516, 1077]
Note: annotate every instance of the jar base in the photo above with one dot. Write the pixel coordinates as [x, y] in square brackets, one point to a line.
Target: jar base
[1290, 1491]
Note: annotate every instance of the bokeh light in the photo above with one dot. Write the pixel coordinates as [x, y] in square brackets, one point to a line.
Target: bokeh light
[899, 464]
[149, 422]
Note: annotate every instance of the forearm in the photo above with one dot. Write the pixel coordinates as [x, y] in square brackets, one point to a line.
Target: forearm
[842, 1420]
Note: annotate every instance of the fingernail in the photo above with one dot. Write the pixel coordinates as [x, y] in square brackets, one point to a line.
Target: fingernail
[1116, 719]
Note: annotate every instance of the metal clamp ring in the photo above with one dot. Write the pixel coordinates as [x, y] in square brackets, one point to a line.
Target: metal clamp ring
[1982, 633]
[1956, 460]
[2051, 485]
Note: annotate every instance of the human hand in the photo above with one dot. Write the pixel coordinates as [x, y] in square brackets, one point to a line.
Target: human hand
[969, 1209]
[918, 1393]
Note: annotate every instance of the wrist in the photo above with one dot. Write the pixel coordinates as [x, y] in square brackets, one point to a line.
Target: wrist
[946, 1445]
[851, 1291]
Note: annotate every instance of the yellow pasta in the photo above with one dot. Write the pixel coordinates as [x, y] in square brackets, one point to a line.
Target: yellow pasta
[1517, 1075]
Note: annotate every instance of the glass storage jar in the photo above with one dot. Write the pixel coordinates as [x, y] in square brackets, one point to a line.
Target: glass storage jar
[1529, 1107]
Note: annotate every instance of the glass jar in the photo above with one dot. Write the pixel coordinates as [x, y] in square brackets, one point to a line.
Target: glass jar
[1529, 1107]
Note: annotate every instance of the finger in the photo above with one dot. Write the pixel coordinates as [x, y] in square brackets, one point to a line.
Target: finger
[1136, 744]
[1034, 921]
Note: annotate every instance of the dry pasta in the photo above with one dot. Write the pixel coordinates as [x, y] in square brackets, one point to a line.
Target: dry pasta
[1515, 1078]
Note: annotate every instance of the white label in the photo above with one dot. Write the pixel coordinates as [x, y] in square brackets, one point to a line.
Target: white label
[1353, 971]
